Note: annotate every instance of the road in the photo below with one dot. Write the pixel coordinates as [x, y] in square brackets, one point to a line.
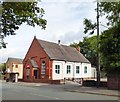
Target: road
[46, 92]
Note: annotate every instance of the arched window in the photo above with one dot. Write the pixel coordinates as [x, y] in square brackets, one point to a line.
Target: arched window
[43, 67]
[27, 72]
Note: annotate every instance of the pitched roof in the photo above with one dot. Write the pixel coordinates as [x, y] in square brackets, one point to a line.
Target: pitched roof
[15, 60]
[62, 52]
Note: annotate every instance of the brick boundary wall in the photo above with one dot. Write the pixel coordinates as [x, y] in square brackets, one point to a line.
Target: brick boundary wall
[43, 81]
[92, 83]
[113, 82]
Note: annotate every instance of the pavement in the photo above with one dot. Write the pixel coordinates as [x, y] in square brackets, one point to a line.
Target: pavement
[92, 90]
[75, 87]
[25, 83]
[95, 90]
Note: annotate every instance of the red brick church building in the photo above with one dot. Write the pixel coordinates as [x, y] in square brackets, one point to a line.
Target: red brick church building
[52, 62]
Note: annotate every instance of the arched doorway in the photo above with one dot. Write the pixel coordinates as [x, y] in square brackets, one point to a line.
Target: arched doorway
[36, 72]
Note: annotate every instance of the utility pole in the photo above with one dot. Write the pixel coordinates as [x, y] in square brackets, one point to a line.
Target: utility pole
[98, 46]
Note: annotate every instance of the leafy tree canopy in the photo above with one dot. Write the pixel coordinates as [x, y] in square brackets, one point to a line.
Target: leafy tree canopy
[3, 67]
[88, 48]
[111, 10]
[109, 40]
[110, 49]
[16, 13]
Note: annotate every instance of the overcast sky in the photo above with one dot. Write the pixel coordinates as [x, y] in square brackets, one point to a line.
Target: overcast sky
[64, 22]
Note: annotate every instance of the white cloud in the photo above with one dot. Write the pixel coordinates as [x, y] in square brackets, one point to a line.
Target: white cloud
[71, 37]
[4, 53]
[64, 22]
[67, 17]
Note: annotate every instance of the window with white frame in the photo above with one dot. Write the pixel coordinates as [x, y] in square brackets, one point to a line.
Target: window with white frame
[85, 69]
[68, 69]
[77, 69]
[57, 69]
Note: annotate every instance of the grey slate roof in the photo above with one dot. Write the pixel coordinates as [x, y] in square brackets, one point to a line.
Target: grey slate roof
[15, 60]
[62, 52]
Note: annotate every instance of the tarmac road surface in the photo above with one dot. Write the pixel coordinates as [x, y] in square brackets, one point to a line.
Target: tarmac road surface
[46, 92]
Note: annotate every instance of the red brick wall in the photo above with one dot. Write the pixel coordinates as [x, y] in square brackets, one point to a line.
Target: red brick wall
[38, 54]
[43, 81]
[113, 82]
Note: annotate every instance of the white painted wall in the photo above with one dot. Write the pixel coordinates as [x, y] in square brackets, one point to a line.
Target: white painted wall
[69, 75]
[88, 74]
[75, 74]
[57, 76]
[63, 70]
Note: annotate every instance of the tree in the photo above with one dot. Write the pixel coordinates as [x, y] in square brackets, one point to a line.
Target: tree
[3, 67]
[15, 14]
[112, 12]
[109, 44]
[88, 49]
[110, 50]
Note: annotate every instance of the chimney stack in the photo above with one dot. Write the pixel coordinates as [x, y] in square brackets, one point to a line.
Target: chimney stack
[35, 37]
[58, 42]
[78, 48]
